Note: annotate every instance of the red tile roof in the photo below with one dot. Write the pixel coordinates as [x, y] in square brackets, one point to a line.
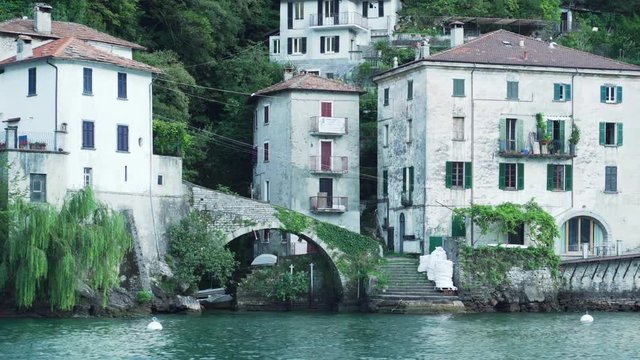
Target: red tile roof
[61, 29]
[502, 47]
[75, 49]
[310, 82]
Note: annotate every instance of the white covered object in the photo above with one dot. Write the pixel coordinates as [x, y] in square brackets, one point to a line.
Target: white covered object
[437, 254]
[443, 274]
[422, 267]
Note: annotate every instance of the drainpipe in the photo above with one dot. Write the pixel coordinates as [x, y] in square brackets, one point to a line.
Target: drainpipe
[153, 217]
[472, 146]
[572, 121]
[55, 111]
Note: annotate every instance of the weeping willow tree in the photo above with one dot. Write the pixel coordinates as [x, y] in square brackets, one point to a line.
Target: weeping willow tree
[45, 253]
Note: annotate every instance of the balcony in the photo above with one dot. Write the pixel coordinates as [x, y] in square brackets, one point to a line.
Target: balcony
[328, 126]
[34, 141]
[348, 20]
[554, 150]
[331, 165]
[328, 204]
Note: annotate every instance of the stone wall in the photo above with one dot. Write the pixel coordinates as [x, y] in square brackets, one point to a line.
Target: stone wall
[605, 284]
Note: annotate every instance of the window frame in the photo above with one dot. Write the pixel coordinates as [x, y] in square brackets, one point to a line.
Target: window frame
[122, 86]
[87, 176]
[298, 10]
[33, 178]
[385, 135]
[409, 89]
[458, 88]
[385, 97]
[296, 46]
[513, 90]
[32, 82]
[409, 131]
[265, 114]
[511, 135]
[610, 94]
[457, 174]
[276, 46]
[88, 134]
[329, 44]
[122, 135]
[458, 129]
[611, 179]
[87, 81]
[265, 152]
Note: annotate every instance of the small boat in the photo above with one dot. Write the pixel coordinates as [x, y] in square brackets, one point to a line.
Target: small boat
[214, 298]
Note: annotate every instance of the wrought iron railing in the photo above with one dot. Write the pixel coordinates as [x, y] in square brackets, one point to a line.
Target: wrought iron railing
[326, 125]
[343, 18]
[331, 164]
[328, 203]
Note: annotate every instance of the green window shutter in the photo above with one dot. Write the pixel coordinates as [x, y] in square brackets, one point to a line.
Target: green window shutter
[550, 127]
[502, 127]
[603, 94]
[549, 177]
[501, 174]
[447, 177]
[404, 179]
[411, 178]
[556, 91]
[561, 137]
[568, 177]
[520, 176]
[602, 133]
[619, 94]
[520, 135]
[467, 175]
[619, 129]
[458, 227]
[385, 182]
[567, 92]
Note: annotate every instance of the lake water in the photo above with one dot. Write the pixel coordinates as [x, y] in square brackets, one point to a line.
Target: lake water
[327, 336]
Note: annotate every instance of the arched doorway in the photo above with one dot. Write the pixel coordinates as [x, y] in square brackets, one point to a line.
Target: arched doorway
[581, 231]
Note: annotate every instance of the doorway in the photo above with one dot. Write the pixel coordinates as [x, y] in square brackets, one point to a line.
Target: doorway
[325, 155]
[325, 194]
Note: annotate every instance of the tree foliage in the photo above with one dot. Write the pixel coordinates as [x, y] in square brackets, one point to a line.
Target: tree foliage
[198, 251]
[44, 253]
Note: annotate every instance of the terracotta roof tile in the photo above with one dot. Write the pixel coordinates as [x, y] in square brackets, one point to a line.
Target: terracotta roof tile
[502, 48]
[310, 82]
[61, 29]
[76, 49]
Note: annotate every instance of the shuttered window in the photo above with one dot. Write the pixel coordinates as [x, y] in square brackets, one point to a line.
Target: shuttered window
[32, 82]
[512, 90]
[610, 94]
[511, 176]
[561, 92]
[458, 175]
[611, 134]
[611, 179]
[559, 177]
[458, 87]
[123, 138]
[87, 135]
[329, 44]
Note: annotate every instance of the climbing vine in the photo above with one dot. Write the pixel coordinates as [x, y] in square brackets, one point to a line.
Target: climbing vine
[44, 253]
[292, 221]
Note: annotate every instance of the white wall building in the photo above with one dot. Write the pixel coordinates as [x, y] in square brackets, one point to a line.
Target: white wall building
[459, 128]
[78, 112]
[306, 138]
[327, 36]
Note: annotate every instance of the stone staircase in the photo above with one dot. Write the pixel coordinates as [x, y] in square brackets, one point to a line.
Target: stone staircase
[408, 291]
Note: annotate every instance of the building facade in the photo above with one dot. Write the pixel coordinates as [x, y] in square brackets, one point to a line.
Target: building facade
[328, 37]
[306, 140]
[462, 127]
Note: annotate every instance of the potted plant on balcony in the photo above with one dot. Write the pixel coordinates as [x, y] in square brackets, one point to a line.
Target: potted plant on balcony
[544, 143]
[574, 138]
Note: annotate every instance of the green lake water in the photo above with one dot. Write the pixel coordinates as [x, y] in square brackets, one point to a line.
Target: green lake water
[326, 336]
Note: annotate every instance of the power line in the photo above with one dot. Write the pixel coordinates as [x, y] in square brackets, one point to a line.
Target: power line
[196, 96]
[228, 57]
[215, 89]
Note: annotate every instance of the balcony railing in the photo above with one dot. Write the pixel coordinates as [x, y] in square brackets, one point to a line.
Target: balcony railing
[36, 141]
[335, 204]
[324, 125]
[510, 149]
[343, 18]
[330, 165]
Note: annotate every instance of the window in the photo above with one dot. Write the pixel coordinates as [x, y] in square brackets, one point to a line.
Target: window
[385, 98]
[326, 109]
[517, 236]
[330, 75]
[265, 113]
[611, 134]
[298, 10]
[511, 176]
[87, 135]
[123, 138]
[407, 183]
[458, 87]
[126, 173]
[409, 134]
[458, 226]
[329, 44]
[276, 46]
[385, 136]
[122, 86]
[561, 92]
[559, 177]
[329, 8]
[511, 137]
[458, 175]
[87, 81]
[266, 151]
[512, 90]
[88, 176]
[458, 128]
[265, 193]
[409, 89]
[611, 179]
[611, 94]
[266, 236]
[556, 128]
[38, 188]
[385, 183]
[297, 45]
[32, 82]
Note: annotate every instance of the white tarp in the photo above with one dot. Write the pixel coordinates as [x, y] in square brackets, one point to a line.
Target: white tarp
[443, 274]
[437, 254]
[331, 125]
[264, 260]
[422, 267]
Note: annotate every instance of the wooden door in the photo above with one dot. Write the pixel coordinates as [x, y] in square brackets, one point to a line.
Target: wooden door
[325, 155]
[326, 109]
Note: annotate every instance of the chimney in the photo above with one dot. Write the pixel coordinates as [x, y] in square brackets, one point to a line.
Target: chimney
[521, 43]
[25, 49]
[422, 50]
[288, 72]
[457, 33]
[43, 18]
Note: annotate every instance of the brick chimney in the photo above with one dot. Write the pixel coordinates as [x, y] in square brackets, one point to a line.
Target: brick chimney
[42, 23]
[25, 49]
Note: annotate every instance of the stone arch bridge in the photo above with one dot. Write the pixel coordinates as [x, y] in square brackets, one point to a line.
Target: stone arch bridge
[237, 216]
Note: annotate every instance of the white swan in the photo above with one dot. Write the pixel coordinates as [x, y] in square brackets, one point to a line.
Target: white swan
[586, 318]
[154, 325]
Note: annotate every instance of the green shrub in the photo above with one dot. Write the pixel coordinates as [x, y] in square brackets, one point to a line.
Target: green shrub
[144, 297]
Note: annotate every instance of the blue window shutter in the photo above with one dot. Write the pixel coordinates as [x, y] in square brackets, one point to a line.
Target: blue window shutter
[520, 135]
[602, 133]
[501, 174]
[556, 91]
[322, 44]
[568, 177]
[290, 15]
[550, 177]
[289, 46]
[619, 137]
[619, 94]
[303, 45]
[520, 175]
[561, 140]
[467, 175]
[550, 127]
[380, 8]
[567, 92]
[603, 94]
[365, 9]
[336, 44]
